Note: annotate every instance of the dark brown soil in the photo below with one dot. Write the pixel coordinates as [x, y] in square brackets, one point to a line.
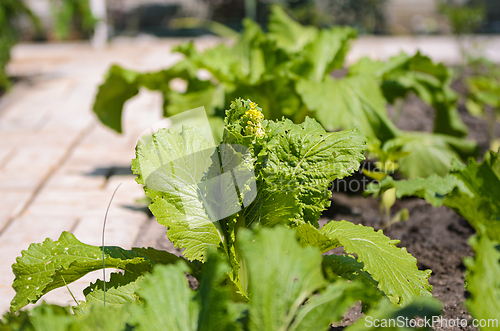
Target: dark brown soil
[436, 237]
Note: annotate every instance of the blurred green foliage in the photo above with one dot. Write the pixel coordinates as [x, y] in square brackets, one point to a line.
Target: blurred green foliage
[464, 18]
[483, 95]
[287, 71]
[368, 16]
[69, 16]
[72, 17]
[10, 11]
[365, 15]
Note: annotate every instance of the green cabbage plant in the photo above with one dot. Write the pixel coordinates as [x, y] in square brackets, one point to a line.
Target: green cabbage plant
[267, 266]
[288, 72]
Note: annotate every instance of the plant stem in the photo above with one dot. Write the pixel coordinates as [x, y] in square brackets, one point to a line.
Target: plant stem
[242, 272]
[71, 293]
[220, 232]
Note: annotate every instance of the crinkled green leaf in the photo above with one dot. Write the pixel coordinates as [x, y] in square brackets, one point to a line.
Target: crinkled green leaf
[52, 264]
[483, 207]
[53, 318]
[483, 282]
[250, 62]
[104, 319]
[120, 290]
[295, 167]
[304, 159]
[43, 266]
[393, 268]
[474, 108]
[272, 205]
[294, 164]
[385, 313]
[167, 301]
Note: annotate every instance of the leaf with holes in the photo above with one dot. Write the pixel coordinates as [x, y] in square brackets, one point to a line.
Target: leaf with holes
[52, 264]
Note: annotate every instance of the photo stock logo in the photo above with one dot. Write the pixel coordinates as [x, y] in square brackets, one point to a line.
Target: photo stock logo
[206, 182]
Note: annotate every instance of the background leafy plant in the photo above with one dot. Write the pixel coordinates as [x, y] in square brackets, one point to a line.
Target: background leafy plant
[68, 16]
[365, 15]
[72, 16]
[287, 71]
[471, 191]
[464, 18]
[483, 97]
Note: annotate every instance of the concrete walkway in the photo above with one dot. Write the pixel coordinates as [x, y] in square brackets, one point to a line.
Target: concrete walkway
[59, 166]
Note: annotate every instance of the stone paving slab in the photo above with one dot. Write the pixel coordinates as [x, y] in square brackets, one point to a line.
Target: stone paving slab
[59, 167]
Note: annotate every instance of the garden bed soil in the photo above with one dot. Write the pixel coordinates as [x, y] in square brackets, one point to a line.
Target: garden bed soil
[436, 237]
